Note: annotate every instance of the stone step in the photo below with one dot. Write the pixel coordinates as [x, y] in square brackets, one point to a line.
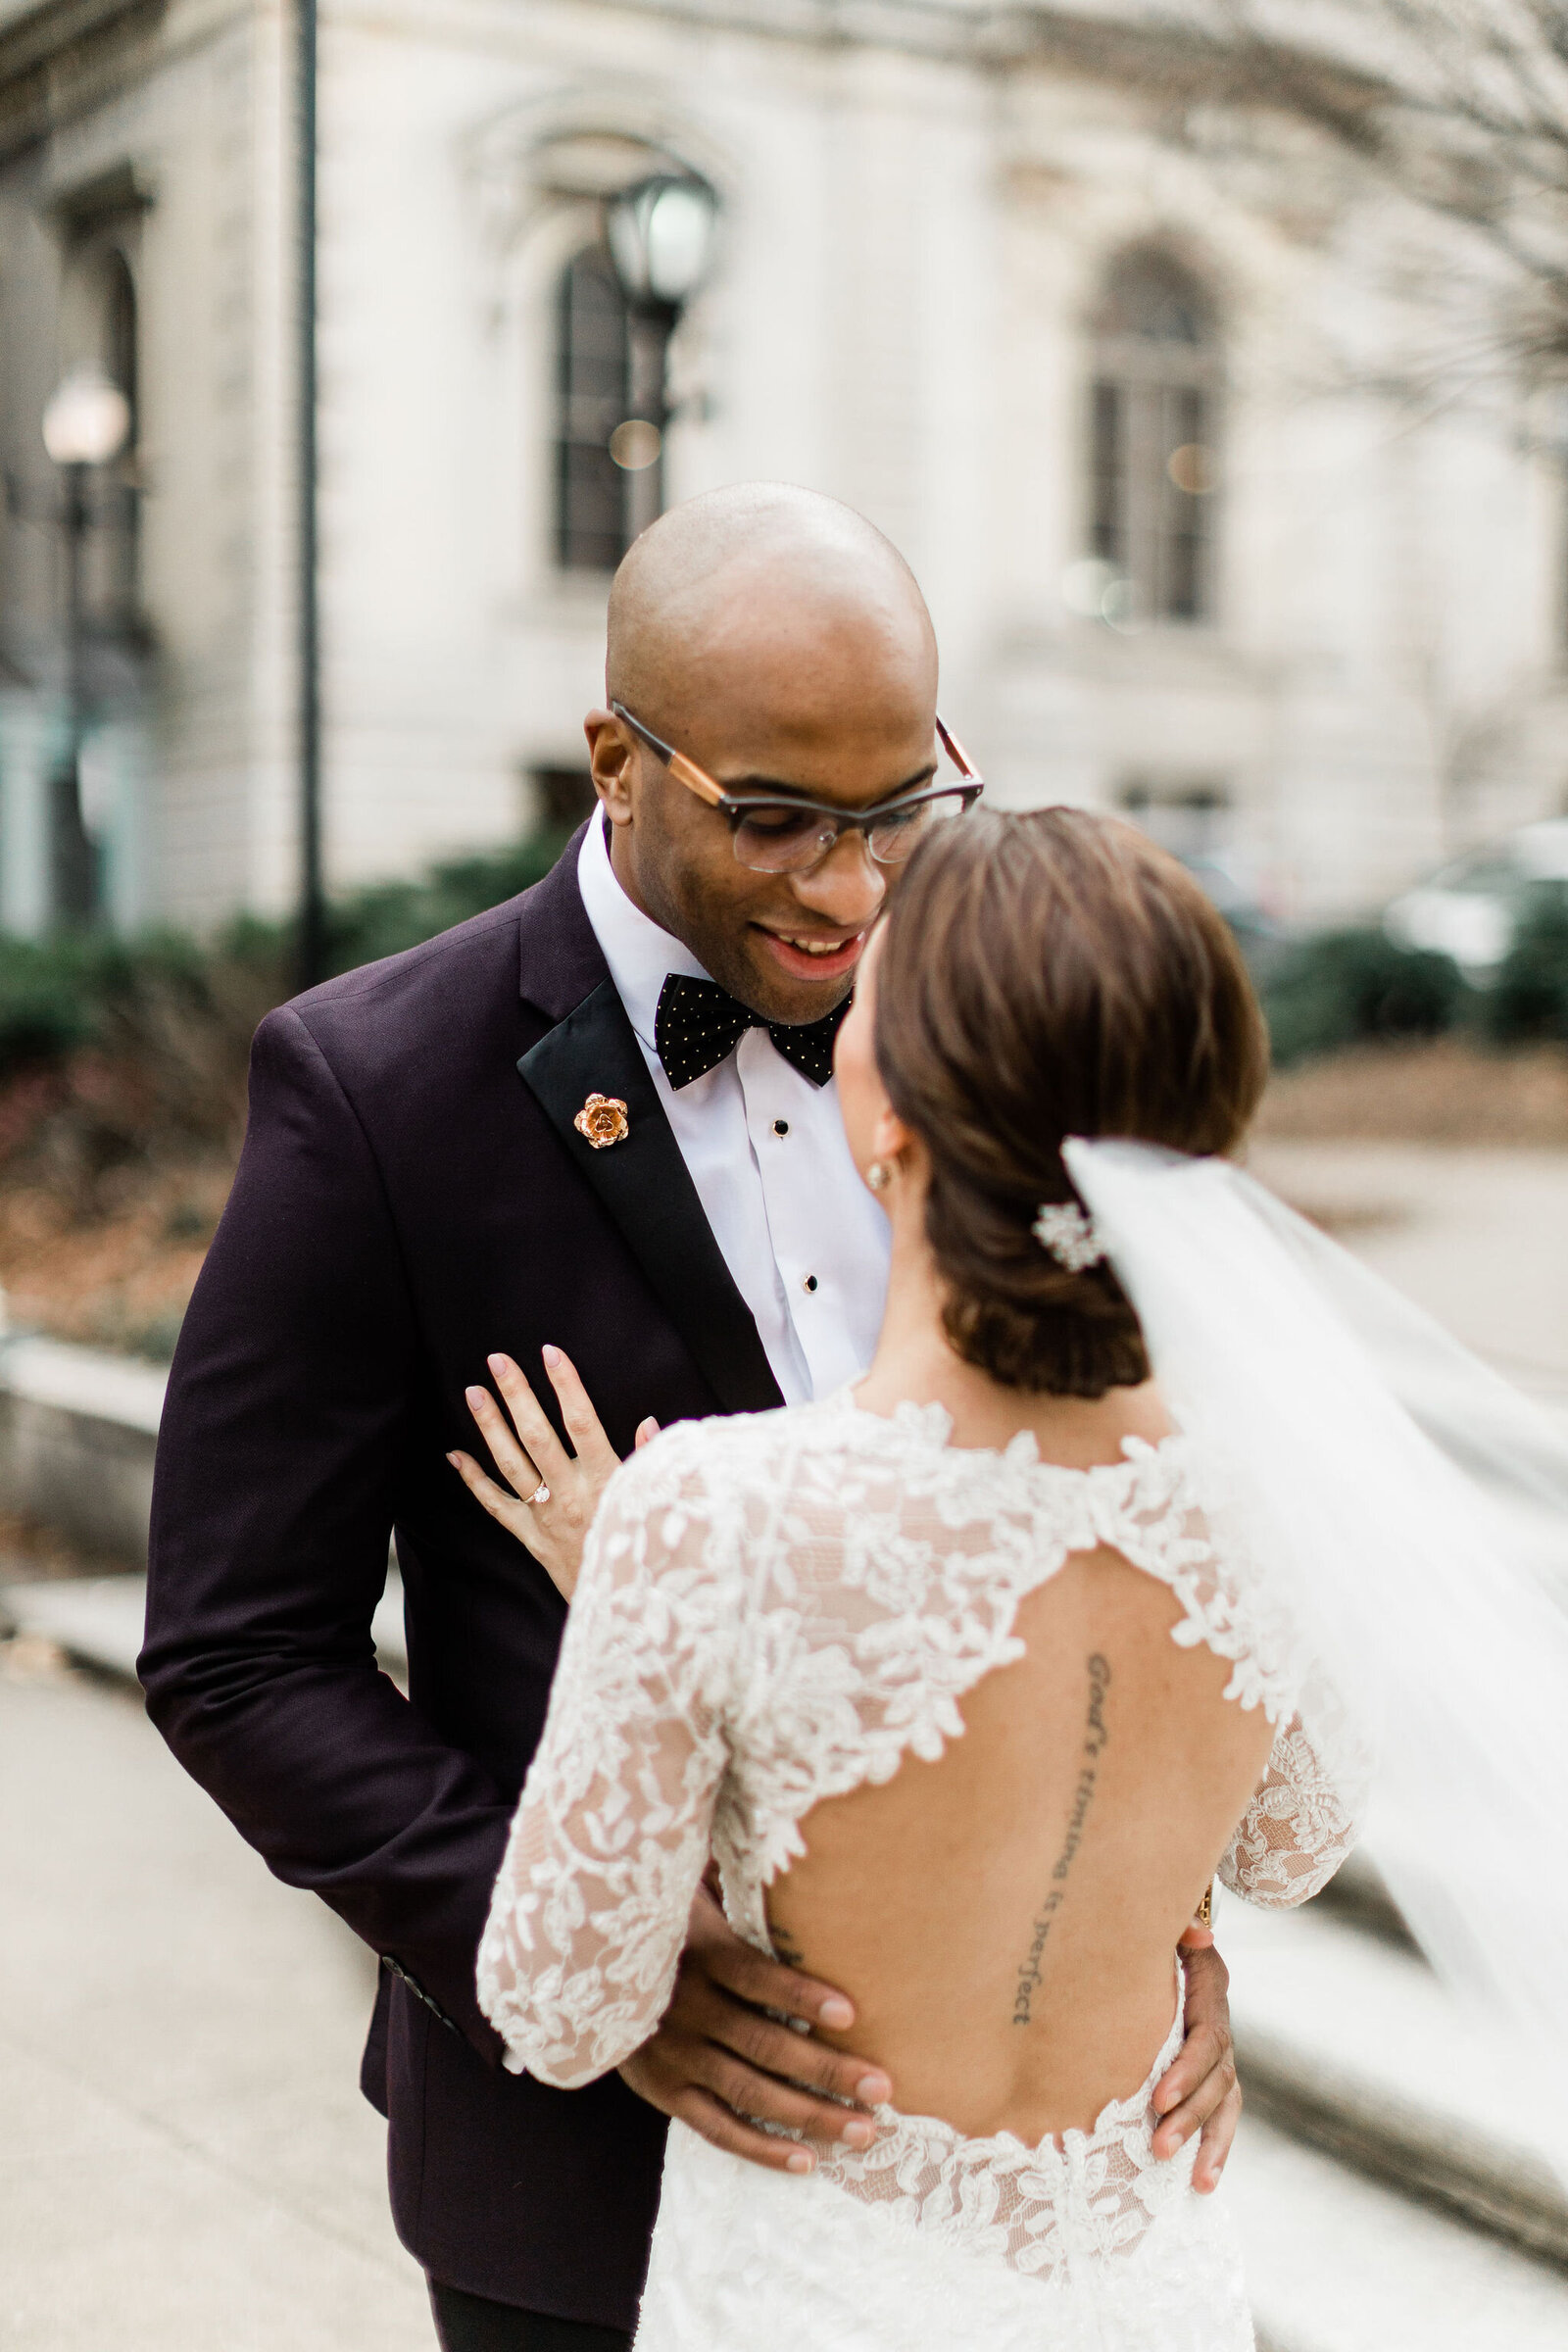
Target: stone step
[78, 1434]
[1336, 2262]
[1357, 1897]
[1348, 2042]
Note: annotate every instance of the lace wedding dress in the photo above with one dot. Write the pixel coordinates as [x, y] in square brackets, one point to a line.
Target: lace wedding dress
[773, 1610]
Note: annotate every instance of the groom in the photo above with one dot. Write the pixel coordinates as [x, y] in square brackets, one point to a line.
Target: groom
[426, 1178]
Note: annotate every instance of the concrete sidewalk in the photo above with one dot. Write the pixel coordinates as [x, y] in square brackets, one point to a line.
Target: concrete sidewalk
[1477, 1238]
[186, 2162]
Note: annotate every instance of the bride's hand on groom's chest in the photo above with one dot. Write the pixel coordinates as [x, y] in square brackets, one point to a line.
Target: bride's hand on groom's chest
[548, 1495]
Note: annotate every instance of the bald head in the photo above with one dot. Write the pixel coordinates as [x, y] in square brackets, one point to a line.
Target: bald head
[779, 642]
[770, 590]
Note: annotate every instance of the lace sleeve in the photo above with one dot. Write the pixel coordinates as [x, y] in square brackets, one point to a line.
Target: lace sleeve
[1297, 1829]
[577, 1961]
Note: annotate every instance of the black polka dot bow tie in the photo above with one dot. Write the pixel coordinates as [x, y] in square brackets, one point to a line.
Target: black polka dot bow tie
[698, 1023]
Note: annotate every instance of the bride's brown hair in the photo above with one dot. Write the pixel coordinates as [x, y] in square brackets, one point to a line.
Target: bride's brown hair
[1048, 975]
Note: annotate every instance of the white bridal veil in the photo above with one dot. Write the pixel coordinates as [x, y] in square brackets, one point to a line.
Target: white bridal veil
[1403, 1517]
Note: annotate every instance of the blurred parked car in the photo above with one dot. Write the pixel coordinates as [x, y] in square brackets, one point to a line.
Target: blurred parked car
[1472, 909]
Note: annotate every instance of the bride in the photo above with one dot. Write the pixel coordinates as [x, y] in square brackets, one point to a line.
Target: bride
[970, 1680]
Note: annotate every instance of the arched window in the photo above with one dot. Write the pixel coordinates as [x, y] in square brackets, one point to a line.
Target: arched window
[610, 397]
[1154, 430]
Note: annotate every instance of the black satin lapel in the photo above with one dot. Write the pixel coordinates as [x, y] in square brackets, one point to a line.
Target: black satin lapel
[645, 1187]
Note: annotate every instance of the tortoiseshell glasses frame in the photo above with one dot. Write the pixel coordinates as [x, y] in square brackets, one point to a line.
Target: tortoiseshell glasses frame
[778, 834]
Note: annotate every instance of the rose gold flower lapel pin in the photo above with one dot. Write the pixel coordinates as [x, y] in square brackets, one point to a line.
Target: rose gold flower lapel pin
[603, 1120]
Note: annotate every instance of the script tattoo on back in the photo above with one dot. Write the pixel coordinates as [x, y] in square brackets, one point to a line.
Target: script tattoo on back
[1095, 1736]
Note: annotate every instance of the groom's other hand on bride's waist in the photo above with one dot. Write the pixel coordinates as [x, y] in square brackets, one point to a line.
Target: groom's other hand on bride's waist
[721, 2064]
[1199, 2092]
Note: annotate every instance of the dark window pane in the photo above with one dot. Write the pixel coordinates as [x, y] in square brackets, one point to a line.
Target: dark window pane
[1182, 510]
[1188, 420]
[592, 365]
[1152, 425]
[1107, 530]
[592, 342]
[610, 367]
[1183, 577]
[591, 501]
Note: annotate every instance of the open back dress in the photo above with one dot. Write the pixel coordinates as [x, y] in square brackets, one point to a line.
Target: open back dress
[772, 1611]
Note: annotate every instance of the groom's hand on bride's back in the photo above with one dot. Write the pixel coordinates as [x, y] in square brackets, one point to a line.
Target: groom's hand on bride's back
[722, 2065]
[1200, 2091]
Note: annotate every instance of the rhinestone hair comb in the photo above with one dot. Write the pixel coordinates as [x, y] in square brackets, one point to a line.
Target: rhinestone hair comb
[1066, 1234]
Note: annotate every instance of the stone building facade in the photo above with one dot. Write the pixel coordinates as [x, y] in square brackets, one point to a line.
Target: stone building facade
[1150, 389]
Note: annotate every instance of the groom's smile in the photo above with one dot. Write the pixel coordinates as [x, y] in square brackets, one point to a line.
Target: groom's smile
[804, 956]
[796, 667]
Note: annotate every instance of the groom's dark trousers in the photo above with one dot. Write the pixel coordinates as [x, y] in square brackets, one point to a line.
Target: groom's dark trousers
[412, 1194]
[475, 2324]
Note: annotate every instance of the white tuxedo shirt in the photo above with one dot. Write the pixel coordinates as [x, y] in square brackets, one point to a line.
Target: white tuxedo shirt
[806, 1245]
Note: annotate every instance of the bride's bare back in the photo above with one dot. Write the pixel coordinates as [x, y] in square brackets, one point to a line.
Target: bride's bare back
[1004, 1919]
[951, 1719]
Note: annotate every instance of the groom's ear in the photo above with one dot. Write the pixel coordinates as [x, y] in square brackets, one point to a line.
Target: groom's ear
[613, 763]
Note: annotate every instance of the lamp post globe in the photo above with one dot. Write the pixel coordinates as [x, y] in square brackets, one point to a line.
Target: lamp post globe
[661, 238]
[88, 421]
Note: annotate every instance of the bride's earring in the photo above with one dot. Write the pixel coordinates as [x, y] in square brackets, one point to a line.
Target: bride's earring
[879, 1175]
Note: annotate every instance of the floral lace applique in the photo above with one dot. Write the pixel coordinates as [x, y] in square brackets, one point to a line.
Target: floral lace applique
[773, 1610]
[1040, 2209]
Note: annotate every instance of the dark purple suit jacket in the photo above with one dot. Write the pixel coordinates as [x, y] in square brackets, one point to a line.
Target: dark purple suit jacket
[412, 1196]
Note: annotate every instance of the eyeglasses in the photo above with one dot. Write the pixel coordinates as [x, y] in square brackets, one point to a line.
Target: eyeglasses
[773, 835]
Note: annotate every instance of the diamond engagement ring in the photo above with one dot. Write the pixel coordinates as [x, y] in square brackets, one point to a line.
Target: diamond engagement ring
[541, 1494]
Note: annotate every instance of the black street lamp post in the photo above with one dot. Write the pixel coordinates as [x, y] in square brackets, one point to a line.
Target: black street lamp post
[73, 862]
[311, 939]
[661, 238]
[85, 426]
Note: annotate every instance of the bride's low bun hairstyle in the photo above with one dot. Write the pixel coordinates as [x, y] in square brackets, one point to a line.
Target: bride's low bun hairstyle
[1047, 975]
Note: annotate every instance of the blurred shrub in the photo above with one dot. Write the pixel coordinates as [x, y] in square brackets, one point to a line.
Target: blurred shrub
[1528, 1003]
[44, 1007]
[389, 916]
[116, 1052]
[1354, 987]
